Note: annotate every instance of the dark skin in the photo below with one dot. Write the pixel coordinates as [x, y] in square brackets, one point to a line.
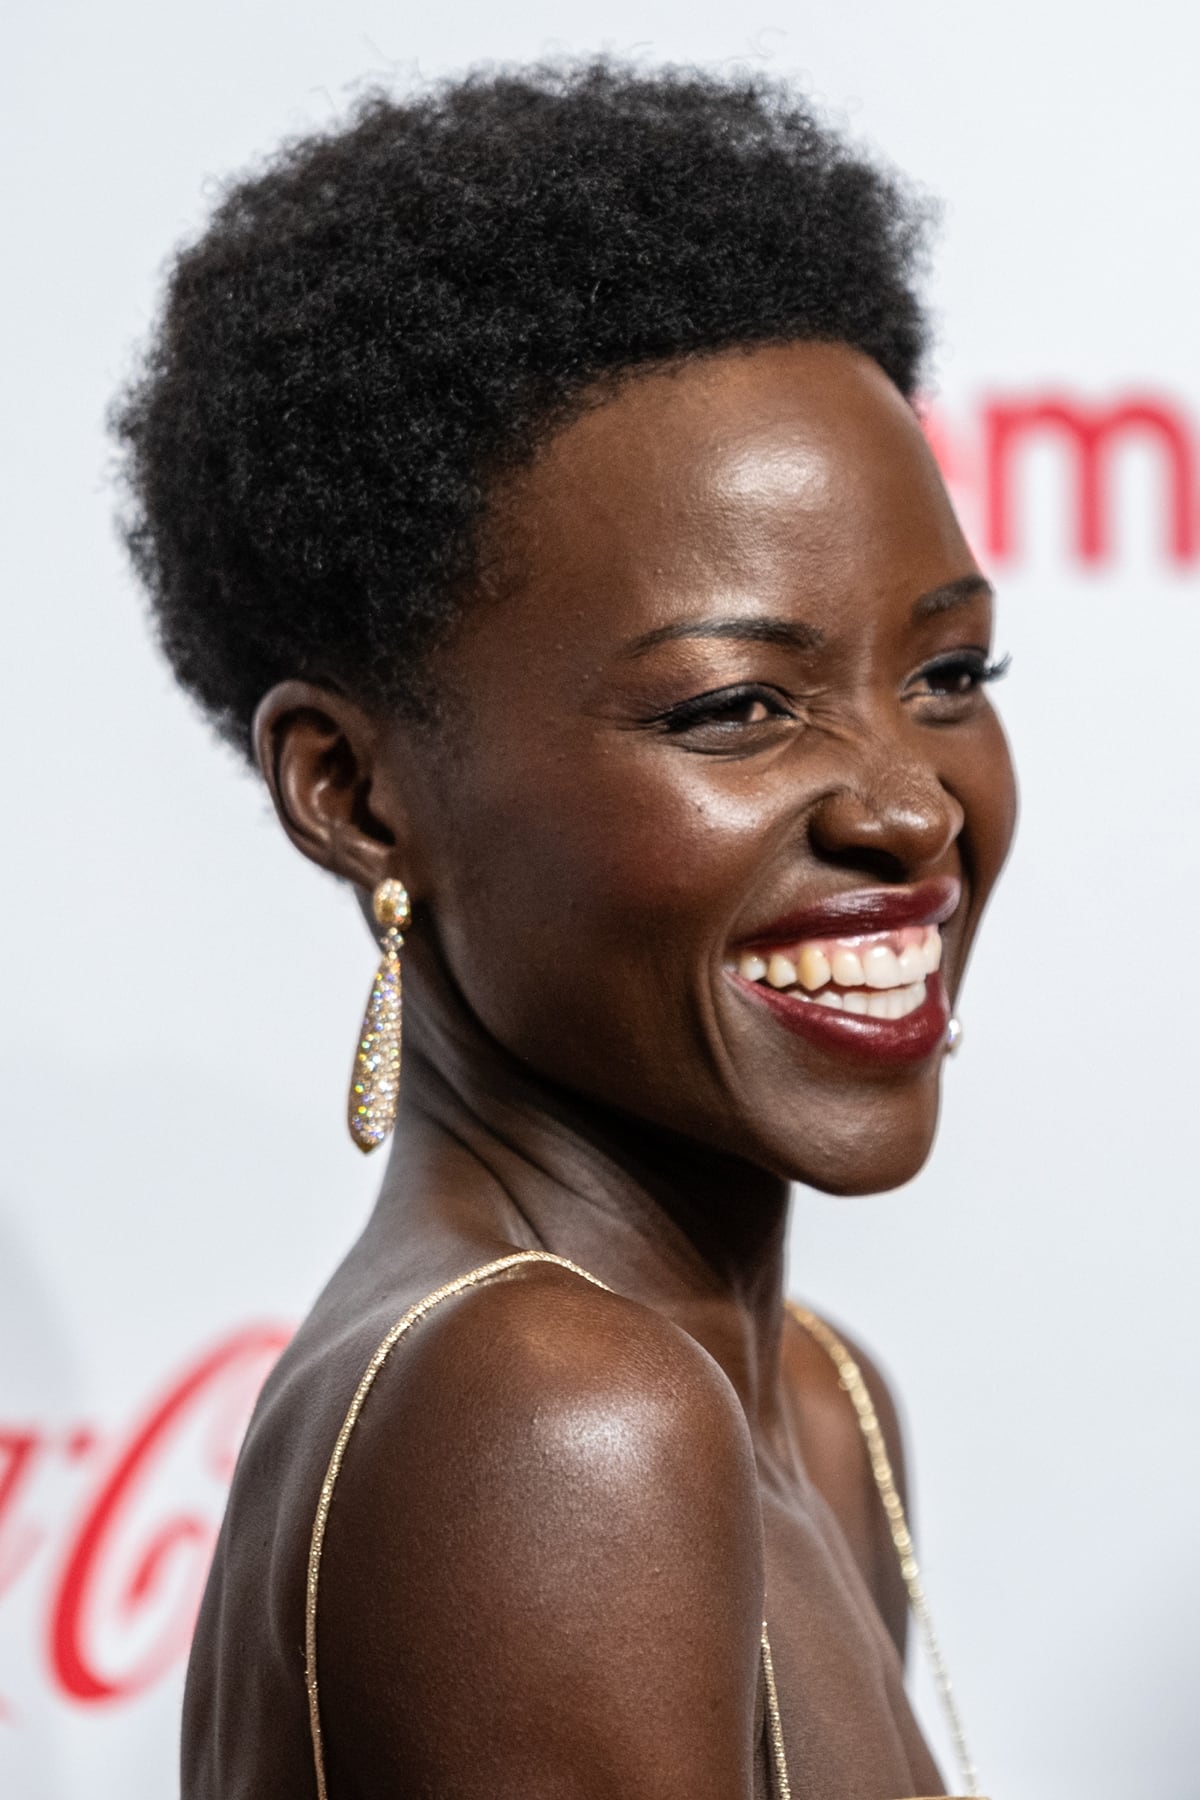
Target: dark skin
[546, 1565]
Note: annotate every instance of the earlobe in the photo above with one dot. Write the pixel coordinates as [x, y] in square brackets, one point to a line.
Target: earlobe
[319, 756]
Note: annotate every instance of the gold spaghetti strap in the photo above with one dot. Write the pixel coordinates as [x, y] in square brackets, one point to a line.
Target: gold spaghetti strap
[851, 1379]
[783, 1787]
[386, 1346]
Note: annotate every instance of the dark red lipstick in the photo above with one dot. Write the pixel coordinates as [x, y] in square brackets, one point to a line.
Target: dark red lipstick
[918, 1035]
[862, 910]
[850, 917]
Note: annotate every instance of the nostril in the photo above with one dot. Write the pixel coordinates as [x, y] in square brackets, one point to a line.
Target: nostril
[865, 859]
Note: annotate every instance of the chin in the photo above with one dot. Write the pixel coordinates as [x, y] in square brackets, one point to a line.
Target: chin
[864, 1155]
[850, 1183]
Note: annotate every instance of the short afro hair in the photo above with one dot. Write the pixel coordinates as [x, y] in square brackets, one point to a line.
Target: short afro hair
[391, 315]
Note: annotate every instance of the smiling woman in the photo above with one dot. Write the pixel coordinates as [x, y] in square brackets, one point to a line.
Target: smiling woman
[528, 471]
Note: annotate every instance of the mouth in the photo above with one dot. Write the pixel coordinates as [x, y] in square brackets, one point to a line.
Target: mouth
[871, 990]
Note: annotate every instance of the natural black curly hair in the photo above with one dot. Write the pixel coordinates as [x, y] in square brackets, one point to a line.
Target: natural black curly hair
[392, 314]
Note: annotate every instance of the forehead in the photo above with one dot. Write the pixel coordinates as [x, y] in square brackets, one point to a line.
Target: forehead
[787, 471]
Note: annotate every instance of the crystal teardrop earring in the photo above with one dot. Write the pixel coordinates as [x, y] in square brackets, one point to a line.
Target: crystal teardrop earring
[953, 1036]
[375, 1083]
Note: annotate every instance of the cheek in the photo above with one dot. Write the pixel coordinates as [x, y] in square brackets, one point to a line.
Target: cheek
[588, 923]
[984, 782]
[637, 842]
[988, 791]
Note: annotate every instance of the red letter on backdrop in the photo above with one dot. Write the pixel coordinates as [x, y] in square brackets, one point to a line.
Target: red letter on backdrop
[1091, 431]
[248, 1353]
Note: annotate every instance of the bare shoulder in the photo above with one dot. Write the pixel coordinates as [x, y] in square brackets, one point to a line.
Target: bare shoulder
[835, 1456]
[540, 1345]
[543, 1566]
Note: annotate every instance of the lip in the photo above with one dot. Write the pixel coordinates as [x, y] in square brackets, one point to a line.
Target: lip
[913, 1039]
[864, 910]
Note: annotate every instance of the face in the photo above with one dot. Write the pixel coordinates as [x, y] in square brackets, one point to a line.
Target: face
[725, 779]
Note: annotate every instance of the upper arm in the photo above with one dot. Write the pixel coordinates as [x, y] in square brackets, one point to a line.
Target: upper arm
[543, 1566]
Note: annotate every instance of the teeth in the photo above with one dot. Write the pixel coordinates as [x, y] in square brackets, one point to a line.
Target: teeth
[815, 969]
[876, 981]
[781, 973]
[912, 963]
[873, 1003]
[881, 968]
[847, 968]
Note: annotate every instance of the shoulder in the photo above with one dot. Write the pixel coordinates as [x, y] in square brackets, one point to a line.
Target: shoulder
[545, 1383]
[835, 1456]
[540, 1344]
[550, 1498]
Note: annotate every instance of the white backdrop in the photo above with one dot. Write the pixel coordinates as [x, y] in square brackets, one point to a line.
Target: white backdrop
[180, 993]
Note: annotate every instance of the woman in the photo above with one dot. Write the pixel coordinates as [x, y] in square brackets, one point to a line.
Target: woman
[527, 475]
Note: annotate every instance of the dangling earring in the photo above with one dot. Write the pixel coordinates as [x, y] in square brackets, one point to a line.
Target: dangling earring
[953, 1035]
[375, 1083]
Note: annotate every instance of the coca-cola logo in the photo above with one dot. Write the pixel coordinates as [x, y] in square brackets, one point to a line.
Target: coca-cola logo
[986, 452]
[117, 1529]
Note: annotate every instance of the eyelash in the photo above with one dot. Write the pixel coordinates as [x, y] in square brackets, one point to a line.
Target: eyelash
[973, 663]
[715, 706]
[704, 709]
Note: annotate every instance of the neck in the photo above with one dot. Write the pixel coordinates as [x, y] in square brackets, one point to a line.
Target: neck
[497, 1153]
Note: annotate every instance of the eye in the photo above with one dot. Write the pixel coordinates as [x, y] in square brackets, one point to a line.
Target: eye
[956, 676]
[725, 718]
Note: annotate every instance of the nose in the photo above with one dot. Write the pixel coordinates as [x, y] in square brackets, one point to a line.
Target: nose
[894, 818]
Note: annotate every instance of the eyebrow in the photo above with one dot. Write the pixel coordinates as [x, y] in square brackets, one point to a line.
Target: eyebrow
[760, 628]
[795, 634]
[951, 594]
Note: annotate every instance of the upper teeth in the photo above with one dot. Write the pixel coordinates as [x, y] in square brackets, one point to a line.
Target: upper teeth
[898, 959]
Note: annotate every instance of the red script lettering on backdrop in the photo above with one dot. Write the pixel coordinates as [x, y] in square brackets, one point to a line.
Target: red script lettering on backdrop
[125, 1570]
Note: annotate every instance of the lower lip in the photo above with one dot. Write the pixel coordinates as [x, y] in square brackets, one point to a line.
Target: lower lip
[853, 1036]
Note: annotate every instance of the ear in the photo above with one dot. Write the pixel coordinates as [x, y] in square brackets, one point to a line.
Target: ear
[321, 757]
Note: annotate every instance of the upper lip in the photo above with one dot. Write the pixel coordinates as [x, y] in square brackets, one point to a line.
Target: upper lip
[863, 910]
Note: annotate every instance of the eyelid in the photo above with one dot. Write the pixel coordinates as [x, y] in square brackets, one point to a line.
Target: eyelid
[959, 653]
[978, 655]
[686, 712]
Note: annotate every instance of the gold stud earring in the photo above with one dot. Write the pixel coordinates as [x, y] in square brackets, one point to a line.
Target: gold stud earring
[375, 1083]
